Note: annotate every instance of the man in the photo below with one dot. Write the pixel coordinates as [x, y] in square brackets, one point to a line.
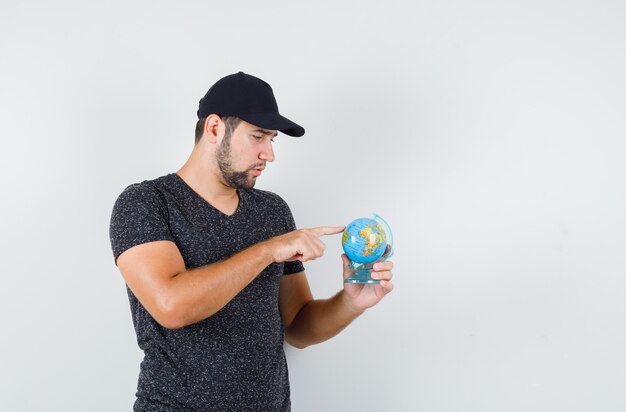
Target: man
[214, 267]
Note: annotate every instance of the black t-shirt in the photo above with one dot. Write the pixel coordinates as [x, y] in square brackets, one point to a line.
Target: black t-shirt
[233, 360]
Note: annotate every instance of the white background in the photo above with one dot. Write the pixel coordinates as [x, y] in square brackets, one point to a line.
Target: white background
[491, 135]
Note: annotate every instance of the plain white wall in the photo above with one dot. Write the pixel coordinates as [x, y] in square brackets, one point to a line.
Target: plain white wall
[490, 134]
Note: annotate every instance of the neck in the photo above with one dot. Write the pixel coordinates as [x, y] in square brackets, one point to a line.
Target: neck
[202, 174]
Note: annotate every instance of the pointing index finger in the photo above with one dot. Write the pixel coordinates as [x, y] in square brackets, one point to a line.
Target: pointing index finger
[327, 230]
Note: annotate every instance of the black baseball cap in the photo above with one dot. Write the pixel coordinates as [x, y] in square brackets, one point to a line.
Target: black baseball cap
[248, 98]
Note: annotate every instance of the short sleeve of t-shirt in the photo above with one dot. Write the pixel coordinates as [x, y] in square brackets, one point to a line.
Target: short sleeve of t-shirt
[296, 266]
[140, 215]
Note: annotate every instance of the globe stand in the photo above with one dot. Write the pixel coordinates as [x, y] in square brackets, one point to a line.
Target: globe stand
[362, 273]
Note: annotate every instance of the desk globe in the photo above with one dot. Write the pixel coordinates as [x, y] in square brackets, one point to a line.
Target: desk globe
[365, 241]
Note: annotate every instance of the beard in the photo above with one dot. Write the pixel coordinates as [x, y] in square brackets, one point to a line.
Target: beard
[233, 178]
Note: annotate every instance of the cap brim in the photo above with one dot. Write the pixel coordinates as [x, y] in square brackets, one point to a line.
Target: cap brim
[274, 121]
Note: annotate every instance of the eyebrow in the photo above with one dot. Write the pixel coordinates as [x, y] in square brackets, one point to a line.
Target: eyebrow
[266, 132]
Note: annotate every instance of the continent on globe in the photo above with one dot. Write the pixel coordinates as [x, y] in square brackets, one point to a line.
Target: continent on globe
[372, 239]
[364, 240]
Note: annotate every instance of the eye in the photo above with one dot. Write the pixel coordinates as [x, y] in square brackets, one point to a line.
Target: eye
[261, 138]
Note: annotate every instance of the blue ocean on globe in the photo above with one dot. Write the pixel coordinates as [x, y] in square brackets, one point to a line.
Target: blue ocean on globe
[364, 240]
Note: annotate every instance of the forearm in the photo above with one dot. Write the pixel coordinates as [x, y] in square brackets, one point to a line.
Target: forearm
[320, 320]
[198, 293]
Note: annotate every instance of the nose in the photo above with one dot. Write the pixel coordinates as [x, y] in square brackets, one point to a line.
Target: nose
[267, 152]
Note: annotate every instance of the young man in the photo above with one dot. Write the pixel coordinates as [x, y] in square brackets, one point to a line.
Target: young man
[214, 267]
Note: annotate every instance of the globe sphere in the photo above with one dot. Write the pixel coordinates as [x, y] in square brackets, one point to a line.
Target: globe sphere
[364, 240]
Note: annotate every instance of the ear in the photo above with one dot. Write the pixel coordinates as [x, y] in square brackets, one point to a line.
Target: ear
[212, 127]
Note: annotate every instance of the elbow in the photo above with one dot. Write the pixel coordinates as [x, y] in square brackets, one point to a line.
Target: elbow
[170, 322]
[176, 313]
[296, 343]
[170, 315]
[299, 345]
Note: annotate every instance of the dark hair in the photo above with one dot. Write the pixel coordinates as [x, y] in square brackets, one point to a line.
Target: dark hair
[231, 123]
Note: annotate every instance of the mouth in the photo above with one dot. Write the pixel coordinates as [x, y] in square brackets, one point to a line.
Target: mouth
[258, 170]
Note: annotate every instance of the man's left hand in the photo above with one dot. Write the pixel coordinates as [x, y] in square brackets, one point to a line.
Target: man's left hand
[359, 296]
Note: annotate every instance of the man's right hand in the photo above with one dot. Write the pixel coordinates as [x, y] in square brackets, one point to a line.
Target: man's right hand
[302, 244]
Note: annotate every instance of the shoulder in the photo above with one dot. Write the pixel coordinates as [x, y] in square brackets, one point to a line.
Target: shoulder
[139, 200]
[140, 215]
[146, 192]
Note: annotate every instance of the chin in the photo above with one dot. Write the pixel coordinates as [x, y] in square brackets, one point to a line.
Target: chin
[247, 185]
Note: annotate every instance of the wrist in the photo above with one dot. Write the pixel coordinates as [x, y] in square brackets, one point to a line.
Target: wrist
[349, 305]
[266, 252]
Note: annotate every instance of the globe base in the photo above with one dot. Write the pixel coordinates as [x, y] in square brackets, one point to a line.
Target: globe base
[361, 275]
